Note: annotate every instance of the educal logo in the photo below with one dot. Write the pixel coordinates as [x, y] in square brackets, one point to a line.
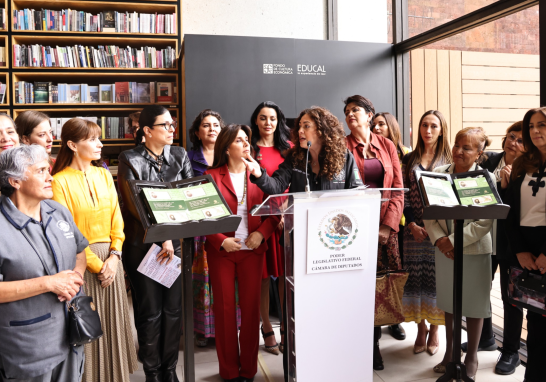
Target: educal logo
[338, 229]
[277, 69]
[311, 70]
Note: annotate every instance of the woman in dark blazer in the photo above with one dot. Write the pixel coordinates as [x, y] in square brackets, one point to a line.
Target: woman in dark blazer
[158, 310]
[526, 227]
[237, 254]
[500, 164]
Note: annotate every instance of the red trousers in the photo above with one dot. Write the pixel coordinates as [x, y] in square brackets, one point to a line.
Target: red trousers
[247, 266]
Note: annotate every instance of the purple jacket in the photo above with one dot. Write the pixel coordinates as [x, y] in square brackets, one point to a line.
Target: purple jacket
[198, 161]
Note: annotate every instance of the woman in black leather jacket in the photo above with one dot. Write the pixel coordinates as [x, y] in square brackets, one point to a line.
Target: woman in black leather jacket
[158, 310]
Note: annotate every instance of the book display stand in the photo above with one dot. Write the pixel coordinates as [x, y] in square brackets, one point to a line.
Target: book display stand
[186, 231]
[456, 370]
[330, 251]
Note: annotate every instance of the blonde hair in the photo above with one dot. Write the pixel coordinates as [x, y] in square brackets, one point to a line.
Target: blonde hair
[478, 136]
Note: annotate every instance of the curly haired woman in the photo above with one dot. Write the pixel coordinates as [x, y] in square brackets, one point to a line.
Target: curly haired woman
[331, 166]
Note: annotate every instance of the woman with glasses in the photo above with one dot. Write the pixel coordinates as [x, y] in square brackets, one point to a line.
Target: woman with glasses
[158, 313]
[500, 164]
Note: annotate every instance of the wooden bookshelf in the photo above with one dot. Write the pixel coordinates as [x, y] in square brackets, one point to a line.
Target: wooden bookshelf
[95, 41]
[5, 111]
[96, 7]
[92, 76]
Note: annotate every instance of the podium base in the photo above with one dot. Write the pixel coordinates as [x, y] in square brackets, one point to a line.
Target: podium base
[455, 371]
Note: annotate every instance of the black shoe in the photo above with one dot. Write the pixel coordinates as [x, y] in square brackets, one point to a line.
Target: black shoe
[243, 379]
[490, 345]
[507, 363]
[153, 377]
[397, 332]
[377, 359]
[170, 376]
[232, 380]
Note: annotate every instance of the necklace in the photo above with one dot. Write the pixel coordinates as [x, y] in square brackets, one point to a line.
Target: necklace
[244, 192]
[159, 158]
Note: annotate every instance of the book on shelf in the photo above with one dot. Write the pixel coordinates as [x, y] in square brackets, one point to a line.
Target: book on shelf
[3, 18]
[70, 20]
[2, 92]
[119, 92]
[474, 188]
[102, 56]
[2, 56]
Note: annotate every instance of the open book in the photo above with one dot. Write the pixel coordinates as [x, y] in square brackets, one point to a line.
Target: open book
[473, 188]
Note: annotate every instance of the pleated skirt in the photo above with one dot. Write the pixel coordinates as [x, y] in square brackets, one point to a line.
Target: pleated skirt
[113, 357]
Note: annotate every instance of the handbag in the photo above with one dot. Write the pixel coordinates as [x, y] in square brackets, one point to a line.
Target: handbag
[84, 324]
[527, 289]
[389, 289]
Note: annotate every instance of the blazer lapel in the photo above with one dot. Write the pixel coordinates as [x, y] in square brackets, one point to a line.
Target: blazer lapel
[226, 180]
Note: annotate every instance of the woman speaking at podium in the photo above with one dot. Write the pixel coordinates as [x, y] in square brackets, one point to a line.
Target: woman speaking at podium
[237, 254]
[319, 134]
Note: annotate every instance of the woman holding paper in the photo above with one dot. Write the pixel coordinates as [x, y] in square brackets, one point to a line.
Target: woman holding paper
[87, 189]
[237, 254]
[469, 146]
[158, 311]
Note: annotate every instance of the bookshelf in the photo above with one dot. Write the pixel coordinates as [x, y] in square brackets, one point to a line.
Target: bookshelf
[92, 76]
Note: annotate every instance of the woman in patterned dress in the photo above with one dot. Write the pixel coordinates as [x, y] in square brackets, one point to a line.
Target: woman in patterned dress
[419, 301]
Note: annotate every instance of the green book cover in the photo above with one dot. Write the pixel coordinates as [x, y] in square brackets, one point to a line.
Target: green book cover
[184, 204]
[474, 192]
[439, 191]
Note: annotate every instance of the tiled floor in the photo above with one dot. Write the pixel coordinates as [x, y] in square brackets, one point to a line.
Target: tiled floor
[401, 365]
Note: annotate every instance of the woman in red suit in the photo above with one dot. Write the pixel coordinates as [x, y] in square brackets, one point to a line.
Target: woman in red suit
[237, 254]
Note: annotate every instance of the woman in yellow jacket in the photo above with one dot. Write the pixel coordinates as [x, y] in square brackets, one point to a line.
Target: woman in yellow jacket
[87, 190]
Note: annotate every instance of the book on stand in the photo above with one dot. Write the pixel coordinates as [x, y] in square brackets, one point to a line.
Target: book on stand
[474, 188]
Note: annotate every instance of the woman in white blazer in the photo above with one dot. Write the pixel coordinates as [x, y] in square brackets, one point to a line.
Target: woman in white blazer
[470, 144]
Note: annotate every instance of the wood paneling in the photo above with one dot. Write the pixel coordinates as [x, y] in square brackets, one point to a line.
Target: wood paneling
[417, 91]
[501, 101]
[499, 73]
[501, 59]
[493, 115]
[443, 84]
[492, 128]
[431, 80]
[455, 94]
[501, 87]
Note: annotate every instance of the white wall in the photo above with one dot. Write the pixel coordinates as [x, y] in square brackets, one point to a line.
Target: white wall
[362, 20]
[304, 19]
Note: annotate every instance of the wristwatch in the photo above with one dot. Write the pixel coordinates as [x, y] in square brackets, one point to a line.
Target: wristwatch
[117, 253]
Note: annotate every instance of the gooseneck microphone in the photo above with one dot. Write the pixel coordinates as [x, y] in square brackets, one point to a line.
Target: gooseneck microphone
[307, 188]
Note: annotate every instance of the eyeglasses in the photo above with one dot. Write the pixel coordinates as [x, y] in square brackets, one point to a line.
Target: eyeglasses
[168, 125]
[512, 138]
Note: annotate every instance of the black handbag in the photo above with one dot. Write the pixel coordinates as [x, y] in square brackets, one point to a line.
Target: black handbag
[84, 324]
[527, 289]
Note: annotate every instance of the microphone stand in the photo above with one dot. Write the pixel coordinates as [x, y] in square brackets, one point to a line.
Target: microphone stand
[307, 188]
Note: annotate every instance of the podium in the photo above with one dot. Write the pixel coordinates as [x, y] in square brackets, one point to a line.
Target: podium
[330, 246]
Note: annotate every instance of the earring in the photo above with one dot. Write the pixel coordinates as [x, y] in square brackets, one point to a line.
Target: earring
[75, 154]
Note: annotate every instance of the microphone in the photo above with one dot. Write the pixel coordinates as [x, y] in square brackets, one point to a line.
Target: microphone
[307, 188]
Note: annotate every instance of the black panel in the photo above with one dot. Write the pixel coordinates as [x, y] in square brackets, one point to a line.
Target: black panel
[226, 73]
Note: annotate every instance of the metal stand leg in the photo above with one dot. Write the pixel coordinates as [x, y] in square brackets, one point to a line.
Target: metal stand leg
[187, 309]
[456, 370]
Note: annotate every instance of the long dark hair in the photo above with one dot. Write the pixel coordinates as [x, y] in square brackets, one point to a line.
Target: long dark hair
[75, 130]
[226, 137]
[147, 117]
[443, 153]
[194, 129]
[330, 131]
[394, 131]
[531, 159]
[281, 134]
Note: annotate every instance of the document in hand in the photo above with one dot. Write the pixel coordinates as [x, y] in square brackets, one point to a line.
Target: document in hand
[165, 274]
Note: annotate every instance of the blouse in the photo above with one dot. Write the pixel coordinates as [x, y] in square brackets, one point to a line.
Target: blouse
[238, 181]
[533, 204]
[92, 199]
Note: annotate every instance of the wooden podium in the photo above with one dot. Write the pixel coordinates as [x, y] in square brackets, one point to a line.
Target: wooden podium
[329, 313]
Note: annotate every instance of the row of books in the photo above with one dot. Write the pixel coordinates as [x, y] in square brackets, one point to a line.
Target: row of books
[69, 20]
[3, 56]
[2, 92]
[104, 56]
[2, 18]
[112, 127]
[119, 92]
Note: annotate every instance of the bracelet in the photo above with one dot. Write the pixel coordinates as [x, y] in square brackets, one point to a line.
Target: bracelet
[80, 276]
[117, 253]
